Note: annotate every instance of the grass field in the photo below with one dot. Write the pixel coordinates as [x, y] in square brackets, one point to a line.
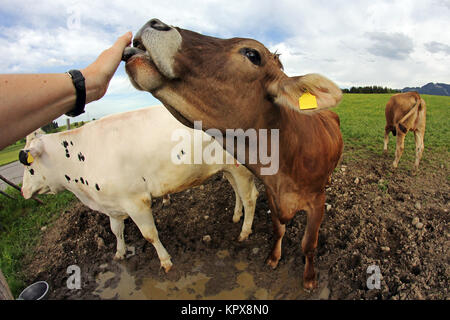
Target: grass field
[363, 120]
[20, 228]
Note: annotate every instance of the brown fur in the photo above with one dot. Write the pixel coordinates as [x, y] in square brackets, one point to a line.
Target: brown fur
[215, 83]
[405, 112]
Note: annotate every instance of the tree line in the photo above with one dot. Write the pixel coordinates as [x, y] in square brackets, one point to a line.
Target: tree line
[53, 127]
[370, 89]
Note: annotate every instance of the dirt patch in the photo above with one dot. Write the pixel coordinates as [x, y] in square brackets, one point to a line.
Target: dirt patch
[369, 221]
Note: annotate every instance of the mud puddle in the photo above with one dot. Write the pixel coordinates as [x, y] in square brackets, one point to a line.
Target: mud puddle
[125, 285]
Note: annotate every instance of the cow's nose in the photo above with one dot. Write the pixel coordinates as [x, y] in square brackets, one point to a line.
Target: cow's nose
[154, 24]
[158, 25]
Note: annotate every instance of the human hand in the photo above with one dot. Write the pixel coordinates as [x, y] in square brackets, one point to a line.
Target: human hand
[99, 73]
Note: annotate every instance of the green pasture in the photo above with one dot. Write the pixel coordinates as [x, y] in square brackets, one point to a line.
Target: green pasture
[20, 230]
[363, 121]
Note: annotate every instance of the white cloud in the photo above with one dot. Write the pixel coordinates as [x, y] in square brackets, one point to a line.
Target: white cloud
[353, 43]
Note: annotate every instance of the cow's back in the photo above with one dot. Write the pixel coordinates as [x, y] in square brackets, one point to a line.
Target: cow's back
[399, 105]
[128, 153]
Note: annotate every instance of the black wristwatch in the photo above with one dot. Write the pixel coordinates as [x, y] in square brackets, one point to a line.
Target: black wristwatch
[80, 87]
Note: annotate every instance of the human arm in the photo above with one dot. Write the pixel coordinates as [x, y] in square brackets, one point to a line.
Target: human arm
[30, 101]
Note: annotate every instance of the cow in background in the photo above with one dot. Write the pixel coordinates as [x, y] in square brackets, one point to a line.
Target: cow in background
[117, 164]
[405, 112]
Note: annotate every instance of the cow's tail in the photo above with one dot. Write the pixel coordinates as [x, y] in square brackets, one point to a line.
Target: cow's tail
[415, 109]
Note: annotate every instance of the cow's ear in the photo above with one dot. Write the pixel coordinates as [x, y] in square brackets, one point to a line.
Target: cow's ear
[306, 93]
[37, 148]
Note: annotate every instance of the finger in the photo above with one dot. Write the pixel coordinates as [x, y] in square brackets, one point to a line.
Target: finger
[123, 40]
[114, 53]
[117, 48]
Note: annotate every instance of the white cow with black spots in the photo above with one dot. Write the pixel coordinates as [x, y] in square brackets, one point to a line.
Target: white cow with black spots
[117, 164]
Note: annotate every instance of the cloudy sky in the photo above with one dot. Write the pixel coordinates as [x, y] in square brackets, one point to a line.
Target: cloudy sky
[354, 43]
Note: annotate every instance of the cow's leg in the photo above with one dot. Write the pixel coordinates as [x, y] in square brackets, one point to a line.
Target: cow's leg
[309, 242]
[141, 214]
[238, 204]
[418, 135]
[386, 141]
[278, 230]
[117, 227]
[399, 148]
[244, 186]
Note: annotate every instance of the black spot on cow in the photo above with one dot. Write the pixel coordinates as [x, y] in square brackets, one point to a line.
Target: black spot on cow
[87, 183]
[82, 180]
[67, 177]
[97, 187]
[65, 144]
[71, 143]
[76, 180]
[182, 151]
[81, 157]
[31, 171]
[178, 156]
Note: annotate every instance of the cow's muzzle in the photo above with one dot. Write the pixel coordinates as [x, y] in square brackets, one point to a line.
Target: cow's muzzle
[138, 46]
[154, 24]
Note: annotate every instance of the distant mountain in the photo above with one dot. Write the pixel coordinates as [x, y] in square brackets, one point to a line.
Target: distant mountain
[437, 89]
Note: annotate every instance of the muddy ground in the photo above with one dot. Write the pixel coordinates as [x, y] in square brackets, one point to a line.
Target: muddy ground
[369, 221]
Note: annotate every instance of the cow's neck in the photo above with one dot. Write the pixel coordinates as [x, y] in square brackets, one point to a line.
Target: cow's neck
[304, 153]
[295, 133]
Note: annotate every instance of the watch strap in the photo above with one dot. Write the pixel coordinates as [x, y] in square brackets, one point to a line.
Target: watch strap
[80, 87]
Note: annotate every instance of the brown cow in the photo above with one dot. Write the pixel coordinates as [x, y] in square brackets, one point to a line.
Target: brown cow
[405, 112]
[237, 83]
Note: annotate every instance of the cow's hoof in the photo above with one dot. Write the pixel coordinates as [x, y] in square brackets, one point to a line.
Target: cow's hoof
[167, 266]
[309, 285]
[272, 262]
[243, 236]
[119, 257]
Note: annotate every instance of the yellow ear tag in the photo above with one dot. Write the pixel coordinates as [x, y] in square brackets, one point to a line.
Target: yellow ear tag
[30, 158]
[307, 101]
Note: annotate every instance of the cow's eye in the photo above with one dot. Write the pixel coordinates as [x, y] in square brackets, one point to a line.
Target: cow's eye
[252, 55]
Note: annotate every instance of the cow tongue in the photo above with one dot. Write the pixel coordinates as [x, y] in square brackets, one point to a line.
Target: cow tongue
[131, 51]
